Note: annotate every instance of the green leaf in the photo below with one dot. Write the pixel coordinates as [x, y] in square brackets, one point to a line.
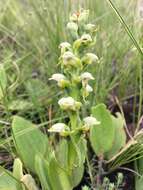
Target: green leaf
[77, 175]
[102, 135]
[62, 153]
[7, 182]
[17, 169]
[41, 166]
[139, 183]
[72, 158]
[3, 81]
[19, 105]
[29, 141]
[120, 136]
[58, 176]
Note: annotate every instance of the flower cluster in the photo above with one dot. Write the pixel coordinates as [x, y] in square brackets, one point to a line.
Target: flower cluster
[74, 78]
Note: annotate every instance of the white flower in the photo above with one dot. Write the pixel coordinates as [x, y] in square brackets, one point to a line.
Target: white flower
[61, 80]
[65, 46]
[90, 27]
[86, 76]
[88, 88]
[69, 59]
[86, 38]
[68, 56]
[58, 128]
[80, 17]
[57, 77]
[90, 121]
[68, 103]
[91, 58]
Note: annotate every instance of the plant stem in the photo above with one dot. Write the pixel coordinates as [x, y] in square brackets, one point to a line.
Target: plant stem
[100, 171]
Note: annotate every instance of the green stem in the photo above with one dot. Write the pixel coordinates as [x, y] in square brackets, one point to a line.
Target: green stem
[73, 120]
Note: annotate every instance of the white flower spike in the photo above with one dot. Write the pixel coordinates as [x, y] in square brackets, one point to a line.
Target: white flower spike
[90, 121]
[58, 128]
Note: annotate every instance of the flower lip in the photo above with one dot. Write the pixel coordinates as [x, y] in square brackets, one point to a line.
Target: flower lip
[90, 121]
[87, 76]
[57, 77]
[58, 128]
[89, 88]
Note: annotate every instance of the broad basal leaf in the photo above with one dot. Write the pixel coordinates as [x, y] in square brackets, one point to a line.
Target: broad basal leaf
[59, 177]
[102, 135]
[41, 166]
[29, 141]
[120, 135]
[7, 182]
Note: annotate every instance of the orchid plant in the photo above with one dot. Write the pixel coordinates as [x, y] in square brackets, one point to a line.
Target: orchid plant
[61, 165]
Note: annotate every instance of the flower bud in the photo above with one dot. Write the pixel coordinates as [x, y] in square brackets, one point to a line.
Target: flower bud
[90, 28]
[74, 17]
[90, 58]
[90, 121]
[68, 103]
[83, 16]
[73, 29]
